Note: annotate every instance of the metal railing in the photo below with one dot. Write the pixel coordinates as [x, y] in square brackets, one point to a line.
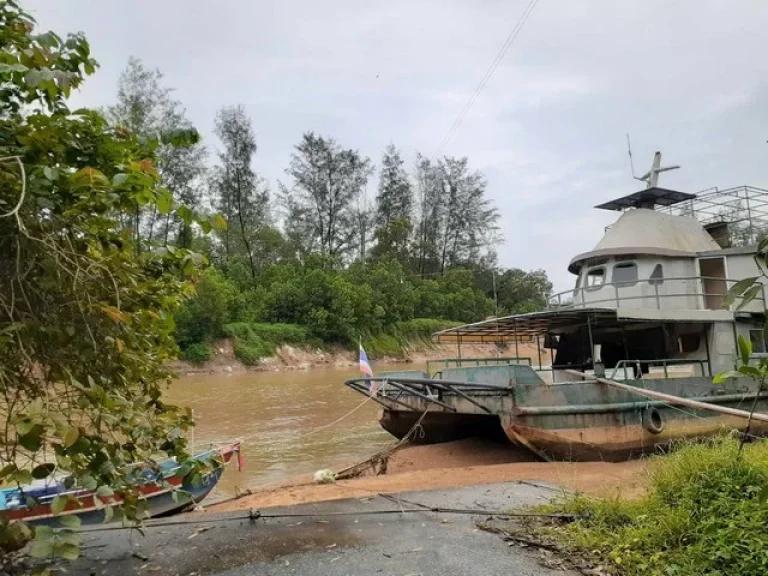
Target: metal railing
[636, 366]
[395, 390]
[744, 208]
[580, 297]
[470, 362]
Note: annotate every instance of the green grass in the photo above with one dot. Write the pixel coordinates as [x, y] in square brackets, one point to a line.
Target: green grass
[253, 341]
[706, 513]
[404, 335]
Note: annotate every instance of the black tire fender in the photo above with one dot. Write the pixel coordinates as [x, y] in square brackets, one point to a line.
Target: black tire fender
[653, 421]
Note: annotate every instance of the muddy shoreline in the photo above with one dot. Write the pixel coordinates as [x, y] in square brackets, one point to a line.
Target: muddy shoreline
[456, 464]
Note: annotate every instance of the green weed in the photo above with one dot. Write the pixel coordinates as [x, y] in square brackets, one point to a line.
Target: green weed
[706, 512]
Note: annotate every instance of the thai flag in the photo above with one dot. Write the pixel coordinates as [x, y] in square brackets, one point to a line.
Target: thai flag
[365, 368]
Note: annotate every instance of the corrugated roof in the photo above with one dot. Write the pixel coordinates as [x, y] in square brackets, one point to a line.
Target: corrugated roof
[525, 326]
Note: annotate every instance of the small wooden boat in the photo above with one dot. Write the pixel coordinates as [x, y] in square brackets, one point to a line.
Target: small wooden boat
[164, 492]
[626, 359]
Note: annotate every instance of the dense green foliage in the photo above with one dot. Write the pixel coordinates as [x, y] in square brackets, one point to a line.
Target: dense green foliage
[706, 513]
[86, 304]
[377, 300]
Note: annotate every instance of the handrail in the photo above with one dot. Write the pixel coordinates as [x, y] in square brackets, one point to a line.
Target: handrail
[498, 361]
[577, 297]
[664, 362]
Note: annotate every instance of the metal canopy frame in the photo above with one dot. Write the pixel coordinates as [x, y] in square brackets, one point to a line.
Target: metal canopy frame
[528, 327]
[647, 198]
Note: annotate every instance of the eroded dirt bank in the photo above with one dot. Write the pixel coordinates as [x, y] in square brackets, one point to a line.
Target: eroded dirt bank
[452, 465]
[292, 358]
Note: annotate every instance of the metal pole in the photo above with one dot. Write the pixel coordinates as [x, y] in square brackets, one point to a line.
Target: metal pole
[669, 398]
[459, 346]
[517, 350]
[591, 342]
[749, 216]
[706, 345]
[538, 348]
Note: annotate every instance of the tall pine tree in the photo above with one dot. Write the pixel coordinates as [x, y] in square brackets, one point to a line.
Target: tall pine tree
[394, 205]
[323, 203]
[243, 196]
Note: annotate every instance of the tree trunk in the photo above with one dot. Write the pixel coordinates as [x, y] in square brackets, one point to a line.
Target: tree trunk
[242, 224]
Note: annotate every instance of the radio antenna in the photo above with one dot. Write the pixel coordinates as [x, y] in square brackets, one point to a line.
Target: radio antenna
[631, 163]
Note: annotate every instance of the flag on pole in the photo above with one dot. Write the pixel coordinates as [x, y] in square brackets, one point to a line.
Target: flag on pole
[365, 368]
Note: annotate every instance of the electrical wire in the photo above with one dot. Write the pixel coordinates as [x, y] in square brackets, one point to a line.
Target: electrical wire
[515, 32]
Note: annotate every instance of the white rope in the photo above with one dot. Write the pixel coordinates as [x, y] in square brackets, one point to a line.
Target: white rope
[342, 418]
[15, 210]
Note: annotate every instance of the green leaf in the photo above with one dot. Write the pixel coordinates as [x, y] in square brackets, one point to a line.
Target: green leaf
[71, 436]
[219, 222]
[44, 532]
[6, 68]
[50, 173]
[22, 477]
[750, 371]
[120, 179]
[109, 513]
[723, 376]
[67, 551]
[750, 295]
[738, 289]
[745, 349]
[43, 471]
[58, 504]
[68, 536]
[87, 481]
[33, 78]
[33, 440]
[105, 492]
[164, 201]
[42, 548]
[70, 521]
[7, 470]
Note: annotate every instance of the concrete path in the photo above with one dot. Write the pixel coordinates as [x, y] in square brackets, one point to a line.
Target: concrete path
[421, 543]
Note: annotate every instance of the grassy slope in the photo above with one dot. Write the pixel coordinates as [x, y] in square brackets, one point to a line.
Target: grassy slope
[705, 513]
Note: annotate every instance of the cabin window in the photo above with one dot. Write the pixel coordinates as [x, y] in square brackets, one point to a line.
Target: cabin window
[758, 342]
[625, 273]
[688, 343]
[657, 276]
[595, 277]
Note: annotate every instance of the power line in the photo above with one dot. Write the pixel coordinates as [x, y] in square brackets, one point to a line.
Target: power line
[489, 73]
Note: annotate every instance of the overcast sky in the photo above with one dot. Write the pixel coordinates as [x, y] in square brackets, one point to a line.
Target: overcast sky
[687, 78]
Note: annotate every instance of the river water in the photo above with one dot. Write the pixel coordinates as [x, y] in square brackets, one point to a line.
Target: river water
[277, 416]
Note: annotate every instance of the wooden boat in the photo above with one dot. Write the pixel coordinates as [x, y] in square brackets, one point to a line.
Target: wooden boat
[166, 492]
[648, 310]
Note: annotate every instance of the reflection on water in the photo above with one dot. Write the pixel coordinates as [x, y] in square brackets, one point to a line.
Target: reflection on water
[276, 415]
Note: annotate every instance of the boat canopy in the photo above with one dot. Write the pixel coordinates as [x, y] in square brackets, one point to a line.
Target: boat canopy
[526, 327]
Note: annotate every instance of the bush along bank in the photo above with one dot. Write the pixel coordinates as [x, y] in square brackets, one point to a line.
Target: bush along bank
[705, 513]
[315, 306]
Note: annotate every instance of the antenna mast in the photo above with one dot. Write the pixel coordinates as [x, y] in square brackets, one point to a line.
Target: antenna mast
[631, 163]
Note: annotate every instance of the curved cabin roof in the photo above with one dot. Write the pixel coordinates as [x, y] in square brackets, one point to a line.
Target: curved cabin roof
[643, 231]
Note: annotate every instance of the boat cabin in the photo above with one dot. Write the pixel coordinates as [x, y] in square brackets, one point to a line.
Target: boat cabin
[650, 297]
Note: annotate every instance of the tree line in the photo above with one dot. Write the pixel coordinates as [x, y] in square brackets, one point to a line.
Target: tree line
[317, 252]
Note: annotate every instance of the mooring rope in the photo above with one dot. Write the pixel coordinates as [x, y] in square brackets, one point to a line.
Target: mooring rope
[355, 409]
[257, 515]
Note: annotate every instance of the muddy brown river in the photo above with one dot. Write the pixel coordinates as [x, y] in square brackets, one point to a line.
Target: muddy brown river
[277, 415]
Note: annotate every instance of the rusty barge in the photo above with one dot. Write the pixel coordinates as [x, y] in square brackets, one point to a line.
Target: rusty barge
[648, 310]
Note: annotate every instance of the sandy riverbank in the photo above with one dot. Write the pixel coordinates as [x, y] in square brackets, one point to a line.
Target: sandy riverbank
[453, 465]
[291, 358]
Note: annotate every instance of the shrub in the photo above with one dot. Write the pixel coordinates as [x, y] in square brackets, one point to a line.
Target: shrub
[254, 341]
[196, 353]
[705, 513]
